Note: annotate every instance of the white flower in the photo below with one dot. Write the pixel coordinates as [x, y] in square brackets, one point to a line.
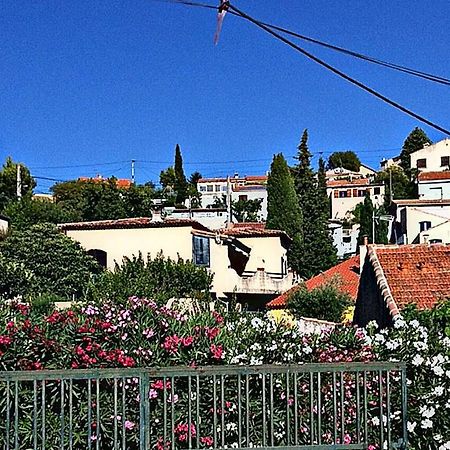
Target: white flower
[427, 412]
[379, 338]
[427, 423]
[375, 421]
[411, 426]
[257, 322]
[438, 391]
[231, 426]
[417, 360]
[399, 322]
[445, 446]
[414, 323]
[446, 342]
[438, 370]
[437, 437]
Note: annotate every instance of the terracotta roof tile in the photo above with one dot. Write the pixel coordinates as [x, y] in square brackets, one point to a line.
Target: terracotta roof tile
[343, 183]
[417, 202]
[252, 229]
[418, 274]
[430, 176]
[347, 272]
[120, 182]
[137, 222]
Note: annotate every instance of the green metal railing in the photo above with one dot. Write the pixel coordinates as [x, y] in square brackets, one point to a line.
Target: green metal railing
[311, 406]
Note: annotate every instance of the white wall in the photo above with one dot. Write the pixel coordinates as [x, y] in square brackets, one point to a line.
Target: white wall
[434, 190]
[351, 239]
[432, 154]
[3, 225]
[254, 194]
[439, 232]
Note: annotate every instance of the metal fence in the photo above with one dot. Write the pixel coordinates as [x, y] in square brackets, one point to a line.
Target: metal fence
[311, 406]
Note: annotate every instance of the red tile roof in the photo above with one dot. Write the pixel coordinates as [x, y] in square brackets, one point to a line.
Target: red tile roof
[137, 222]
[347, 272]
[254, 230]
[418, 274]
[431, 176]
[120, 182]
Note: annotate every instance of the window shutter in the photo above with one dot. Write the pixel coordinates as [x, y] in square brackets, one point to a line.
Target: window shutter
[355, 192]
[336, 194]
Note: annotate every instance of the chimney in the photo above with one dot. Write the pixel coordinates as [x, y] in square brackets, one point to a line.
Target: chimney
[425, 238]
[363, 252]
[156, 216]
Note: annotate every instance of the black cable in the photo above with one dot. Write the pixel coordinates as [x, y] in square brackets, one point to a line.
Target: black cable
[398, 67]
[340, 73]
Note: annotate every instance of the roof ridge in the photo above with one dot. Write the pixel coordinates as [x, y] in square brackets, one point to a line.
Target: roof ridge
[382, 281]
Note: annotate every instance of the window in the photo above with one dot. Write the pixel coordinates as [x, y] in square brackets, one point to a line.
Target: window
[202, 188]
[421, 163]
[361, 193]
[243, 198]
[209, 188]
[224, 189]
[445, 161]
[376, 191]
[99, 255]
[343, 194]
[336, 194]
[347, 239]
[200, 250]
[435, 241]
[425, 225]
[217, 187]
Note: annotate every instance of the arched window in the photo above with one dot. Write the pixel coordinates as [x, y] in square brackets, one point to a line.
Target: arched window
[99, 255]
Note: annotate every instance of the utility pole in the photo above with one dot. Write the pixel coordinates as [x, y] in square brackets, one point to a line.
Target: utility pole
[18, 182]
[391, 196]
[373, 227]
[132, 170]
[228, 201]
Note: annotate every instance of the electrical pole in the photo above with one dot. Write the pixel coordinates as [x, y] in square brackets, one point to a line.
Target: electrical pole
[18, 182]
[132, 170]
[373, 227]
[391, 196]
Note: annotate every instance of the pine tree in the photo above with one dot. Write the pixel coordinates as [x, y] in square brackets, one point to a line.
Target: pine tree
[283, 210]
[318, 252]
[181, 185]
[416, 140]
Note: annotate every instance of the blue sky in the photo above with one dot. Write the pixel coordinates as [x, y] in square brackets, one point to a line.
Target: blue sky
[87, 86]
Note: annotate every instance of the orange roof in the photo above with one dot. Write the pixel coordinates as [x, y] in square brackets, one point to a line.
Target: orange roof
[120, 182]
[431, 176]
[413, 274]
[347, 272]
[353, 182]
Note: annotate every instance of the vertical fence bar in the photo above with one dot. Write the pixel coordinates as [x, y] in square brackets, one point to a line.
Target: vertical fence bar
[311, 408]
[271, 409]
[295, 409]
[264, 418]
[380, 393]
[222, 411]
[288, 434]
[62, 431]
[358, 407]
[164, 412]
[366, 431]
[35, 419]
[319, 409]
[97, 414]
[43, 415]
[342, 405]
[71, 414]
[197, 410]
[172, 412]
[16, 415]
[89, 413]
[388, 409]
[124, 412]
[247, 411]
[214, 410]
[144, 388]
[8, 414]
[189, 412]
[335, 416]
[239, 405]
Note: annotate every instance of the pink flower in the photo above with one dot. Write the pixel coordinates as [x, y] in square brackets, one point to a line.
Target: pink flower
[217, 351]
[129, 425]
[187, 341]
[207, 440]
[152, 393]
[347, 439]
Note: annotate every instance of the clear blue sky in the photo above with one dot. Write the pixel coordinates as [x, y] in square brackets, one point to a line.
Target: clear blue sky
[105, 81]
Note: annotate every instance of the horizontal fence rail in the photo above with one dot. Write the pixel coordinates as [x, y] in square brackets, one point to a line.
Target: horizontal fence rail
[311, 406]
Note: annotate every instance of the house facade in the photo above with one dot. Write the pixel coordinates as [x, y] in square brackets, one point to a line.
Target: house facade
[248, 261]
[434, 185]
[432, 158]
[4, 224]
[213, 218]
[393, 277]
[415, 219]
[346, 194]
[345, 238]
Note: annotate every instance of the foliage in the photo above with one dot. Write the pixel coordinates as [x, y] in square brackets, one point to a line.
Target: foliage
[158, 278]
[363, 215]
[195, 197]
[92, 200]
[416, 140]
[348, 160]
[246, 210]
[325, 302]
[30, 211]
[283, 209]
[318, 252]
[181, 185]
[8, 182]
[15, 278]
[401, 186]
[47, 262]
[220, 202]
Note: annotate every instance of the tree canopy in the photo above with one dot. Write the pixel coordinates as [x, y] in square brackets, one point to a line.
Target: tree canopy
[416, 140]
[348, 160]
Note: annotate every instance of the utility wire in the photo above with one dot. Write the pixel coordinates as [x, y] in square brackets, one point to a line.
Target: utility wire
[340, 73]
[401, 68]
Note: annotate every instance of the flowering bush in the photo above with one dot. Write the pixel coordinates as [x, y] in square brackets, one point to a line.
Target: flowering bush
[142, 334]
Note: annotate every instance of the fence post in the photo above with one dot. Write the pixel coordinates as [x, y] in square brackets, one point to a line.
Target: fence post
[144, 409]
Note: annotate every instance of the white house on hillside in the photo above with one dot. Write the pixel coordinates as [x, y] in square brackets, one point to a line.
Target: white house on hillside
[248, 261]
[4, 224]
[432, 158]
[434, 185]
[420, 220]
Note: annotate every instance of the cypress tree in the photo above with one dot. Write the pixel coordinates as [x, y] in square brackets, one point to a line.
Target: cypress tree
[181, 185]
[318, 252]
[283, 210]
[416, 140]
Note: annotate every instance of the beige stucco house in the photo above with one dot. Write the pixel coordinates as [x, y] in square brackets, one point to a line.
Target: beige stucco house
[431, 158]
[248, 261]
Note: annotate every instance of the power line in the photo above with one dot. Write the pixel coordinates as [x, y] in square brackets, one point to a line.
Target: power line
[401, 68]
[80, 165]
[340, 73]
